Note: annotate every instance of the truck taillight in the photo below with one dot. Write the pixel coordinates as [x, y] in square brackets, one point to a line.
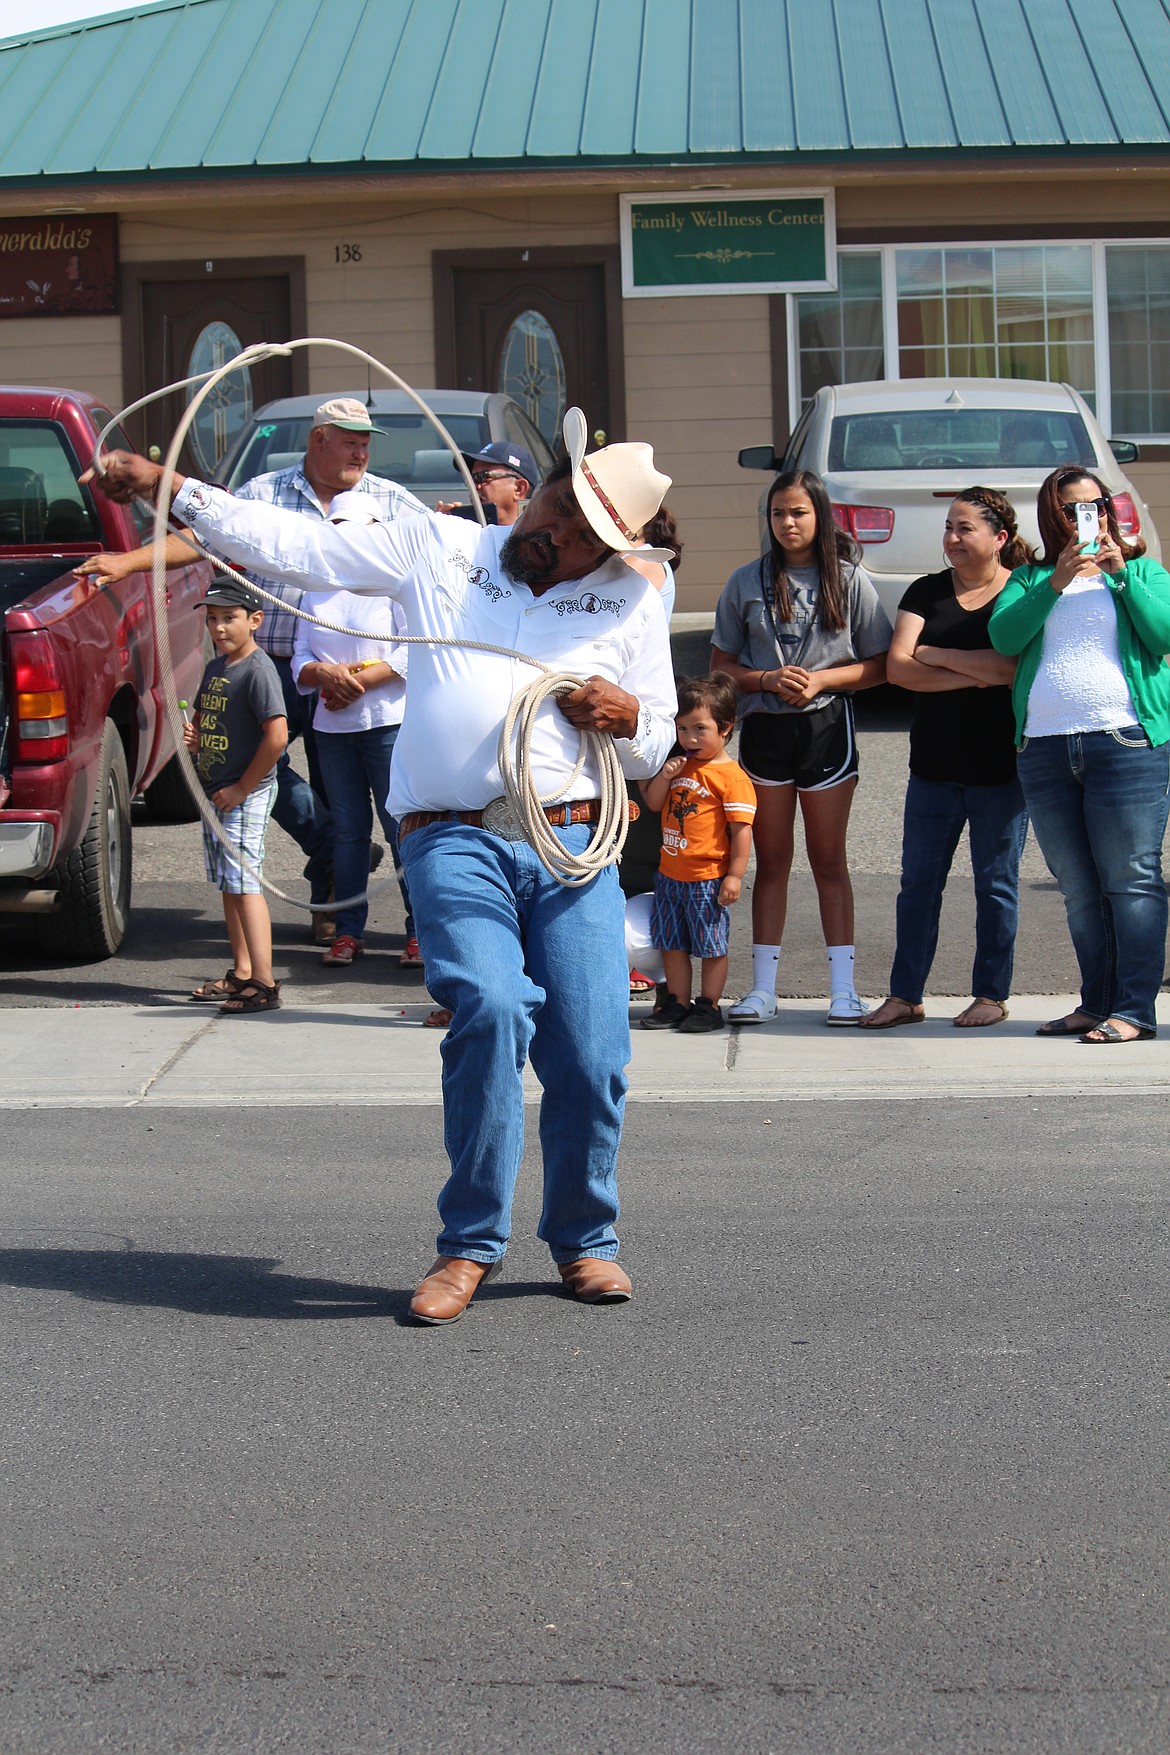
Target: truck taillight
[41, 722]
[1127, 515]
[865, 523]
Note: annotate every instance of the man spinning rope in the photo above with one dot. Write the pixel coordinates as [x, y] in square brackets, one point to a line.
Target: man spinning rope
[527, 965]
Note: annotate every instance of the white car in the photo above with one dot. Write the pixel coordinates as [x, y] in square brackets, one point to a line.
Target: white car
[894, 453]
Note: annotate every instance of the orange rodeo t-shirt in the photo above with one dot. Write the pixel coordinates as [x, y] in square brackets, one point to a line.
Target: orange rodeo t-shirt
[704, 797]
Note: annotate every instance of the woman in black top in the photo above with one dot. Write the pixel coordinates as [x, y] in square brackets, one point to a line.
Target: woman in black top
[962, 761]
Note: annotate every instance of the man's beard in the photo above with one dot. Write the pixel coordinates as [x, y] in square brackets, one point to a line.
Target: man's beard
[528, 569]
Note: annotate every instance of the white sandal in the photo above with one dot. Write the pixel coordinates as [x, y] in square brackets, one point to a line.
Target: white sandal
[846, 1008]
[755, 1007]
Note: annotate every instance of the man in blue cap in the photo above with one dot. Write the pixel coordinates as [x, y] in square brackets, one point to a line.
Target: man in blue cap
[504, 474]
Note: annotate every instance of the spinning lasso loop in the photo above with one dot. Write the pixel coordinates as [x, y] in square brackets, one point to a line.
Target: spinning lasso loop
[526, 803]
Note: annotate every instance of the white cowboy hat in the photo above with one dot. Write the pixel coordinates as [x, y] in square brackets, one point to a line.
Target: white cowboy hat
[617, 488]
[355, 506]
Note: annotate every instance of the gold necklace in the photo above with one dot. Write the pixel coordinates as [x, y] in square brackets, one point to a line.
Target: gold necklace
[973, 591]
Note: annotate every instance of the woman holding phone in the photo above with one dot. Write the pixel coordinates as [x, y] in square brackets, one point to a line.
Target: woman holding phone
[1089, 625]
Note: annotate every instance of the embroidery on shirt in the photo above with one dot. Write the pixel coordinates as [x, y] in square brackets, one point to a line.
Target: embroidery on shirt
[589, 604]
[478, 576]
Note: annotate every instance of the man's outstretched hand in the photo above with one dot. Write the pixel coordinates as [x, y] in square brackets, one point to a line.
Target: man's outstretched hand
[601, 706]
[125, 475]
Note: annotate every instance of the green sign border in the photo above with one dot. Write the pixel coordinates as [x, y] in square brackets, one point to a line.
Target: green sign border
[737, 221]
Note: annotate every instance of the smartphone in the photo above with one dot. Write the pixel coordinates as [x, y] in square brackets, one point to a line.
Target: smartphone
[1087, 527]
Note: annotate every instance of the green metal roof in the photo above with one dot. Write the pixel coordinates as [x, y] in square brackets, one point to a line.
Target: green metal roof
[186, 87]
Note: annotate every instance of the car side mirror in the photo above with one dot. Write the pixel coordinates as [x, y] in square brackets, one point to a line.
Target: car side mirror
[1124, 450]
[759, 457]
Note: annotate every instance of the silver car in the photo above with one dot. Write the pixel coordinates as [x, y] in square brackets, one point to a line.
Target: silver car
[895, 452]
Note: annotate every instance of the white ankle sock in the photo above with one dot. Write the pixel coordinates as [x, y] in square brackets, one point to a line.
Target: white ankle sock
[765, 967]
[840, 968]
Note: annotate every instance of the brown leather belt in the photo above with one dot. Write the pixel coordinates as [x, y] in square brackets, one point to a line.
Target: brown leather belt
[581, 810]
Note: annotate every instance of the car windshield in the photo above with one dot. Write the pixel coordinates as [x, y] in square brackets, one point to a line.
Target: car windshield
[407, 450]
[40, 501]
[975, 439]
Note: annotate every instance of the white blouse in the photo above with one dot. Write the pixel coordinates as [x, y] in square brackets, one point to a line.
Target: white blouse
[1080, 685]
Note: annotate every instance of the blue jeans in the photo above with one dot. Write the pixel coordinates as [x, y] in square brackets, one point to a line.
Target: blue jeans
[932, 823]
[1098, 802]
[527, 967]
[300, 810]
[355, 766]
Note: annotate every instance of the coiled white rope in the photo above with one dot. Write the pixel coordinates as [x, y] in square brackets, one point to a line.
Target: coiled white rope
[520, 790]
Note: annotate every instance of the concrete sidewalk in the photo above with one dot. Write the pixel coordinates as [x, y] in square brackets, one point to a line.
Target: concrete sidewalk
[366, 1055]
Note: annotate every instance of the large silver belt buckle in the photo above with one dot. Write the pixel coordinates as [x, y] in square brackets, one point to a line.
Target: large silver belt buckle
[500, 819]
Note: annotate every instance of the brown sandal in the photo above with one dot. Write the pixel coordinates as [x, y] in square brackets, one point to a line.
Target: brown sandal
[910, 1014]
[253, 996]
[963, 1021]
[228, 985]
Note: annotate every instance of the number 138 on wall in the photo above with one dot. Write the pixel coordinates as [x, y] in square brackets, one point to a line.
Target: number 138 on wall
[347, 252]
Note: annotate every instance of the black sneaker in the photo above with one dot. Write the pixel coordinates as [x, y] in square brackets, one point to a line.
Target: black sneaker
[704, 1015]
[667, 1016]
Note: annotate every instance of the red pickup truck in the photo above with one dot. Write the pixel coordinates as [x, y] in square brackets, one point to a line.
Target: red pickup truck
[83, 726]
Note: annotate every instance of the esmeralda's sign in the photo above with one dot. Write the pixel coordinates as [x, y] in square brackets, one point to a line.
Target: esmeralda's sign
[782, 241]
[59, 265]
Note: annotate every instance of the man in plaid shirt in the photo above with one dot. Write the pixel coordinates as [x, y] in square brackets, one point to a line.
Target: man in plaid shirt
[336, 461]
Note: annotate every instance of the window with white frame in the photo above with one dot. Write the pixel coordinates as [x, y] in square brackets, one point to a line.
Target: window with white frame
[1094, 316]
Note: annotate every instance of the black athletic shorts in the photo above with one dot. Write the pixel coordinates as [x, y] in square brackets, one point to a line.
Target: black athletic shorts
[812, 751]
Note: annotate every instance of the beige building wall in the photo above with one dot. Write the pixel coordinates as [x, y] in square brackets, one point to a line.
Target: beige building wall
[699, 388]
[698, 369]
[75, 353]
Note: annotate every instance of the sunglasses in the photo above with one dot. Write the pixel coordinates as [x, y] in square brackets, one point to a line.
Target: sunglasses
[482, 480]
[1069, 509]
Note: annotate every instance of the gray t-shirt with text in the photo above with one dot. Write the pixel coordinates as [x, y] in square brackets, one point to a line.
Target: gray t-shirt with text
[235, 701]
[747, 630]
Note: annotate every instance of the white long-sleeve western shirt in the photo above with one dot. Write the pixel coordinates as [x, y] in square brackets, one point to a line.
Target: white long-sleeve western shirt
[447, 575]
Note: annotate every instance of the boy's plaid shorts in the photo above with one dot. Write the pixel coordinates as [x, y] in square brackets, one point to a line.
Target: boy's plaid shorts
[244, 826]
[688, 917]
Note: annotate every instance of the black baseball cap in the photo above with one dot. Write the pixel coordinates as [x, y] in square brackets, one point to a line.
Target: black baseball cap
[502, 452]
[229, 594]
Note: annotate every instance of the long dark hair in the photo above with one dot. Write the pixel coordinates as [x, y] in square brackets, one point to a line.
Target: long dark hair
[997, 510]
[832, 546]
[661, 531]
[1055, 528]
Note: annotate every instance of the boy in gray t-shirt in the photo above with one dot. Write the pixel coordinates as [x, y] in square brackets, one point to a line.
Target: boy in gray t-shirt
[238, 735]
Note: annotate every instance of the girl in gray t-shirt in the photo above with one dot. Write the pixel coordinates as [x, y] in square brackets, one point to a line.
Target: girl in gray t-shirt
[799, 631]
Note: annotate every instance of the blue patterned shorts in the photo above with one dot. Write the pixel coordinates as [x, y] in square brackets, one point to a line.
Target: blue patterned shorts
[688, 917]
[244, 827]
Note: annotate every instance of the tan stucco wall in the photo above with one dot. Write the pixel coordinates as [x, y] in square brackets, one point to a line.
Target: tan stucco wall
[698, 370]
[76, 353]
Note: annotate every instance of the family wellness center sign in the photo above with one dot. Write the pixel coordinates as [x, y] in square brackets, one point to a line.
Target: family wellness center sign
[770, 242]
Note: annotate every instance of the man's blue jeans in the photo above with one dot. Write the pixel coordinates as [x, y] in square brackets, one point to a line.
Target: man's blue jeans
[932, 823]
[299, 809]
[528, 967]
[355, 766]
[1098, 802]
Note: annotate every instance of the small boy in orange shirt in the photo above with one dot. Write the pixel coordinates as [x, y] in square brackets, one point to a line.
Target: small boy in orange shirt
[708, 805]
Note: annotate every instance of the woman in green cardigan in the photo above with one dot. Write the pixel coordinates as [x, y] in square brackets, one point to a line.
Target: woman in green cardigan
[1092, 706]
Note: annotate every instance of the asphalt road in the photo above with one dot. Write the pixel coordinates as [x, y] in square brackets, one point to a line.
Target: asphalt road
[874, 1462]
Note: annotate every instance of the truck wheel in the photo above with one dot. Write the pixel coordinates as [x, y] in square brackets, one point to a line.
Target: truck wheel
[168, 797]
[94, 879]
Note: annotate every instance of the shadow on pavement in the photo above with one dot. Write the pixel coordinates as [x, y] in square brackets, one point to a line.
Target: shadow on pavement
[205, 1285]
